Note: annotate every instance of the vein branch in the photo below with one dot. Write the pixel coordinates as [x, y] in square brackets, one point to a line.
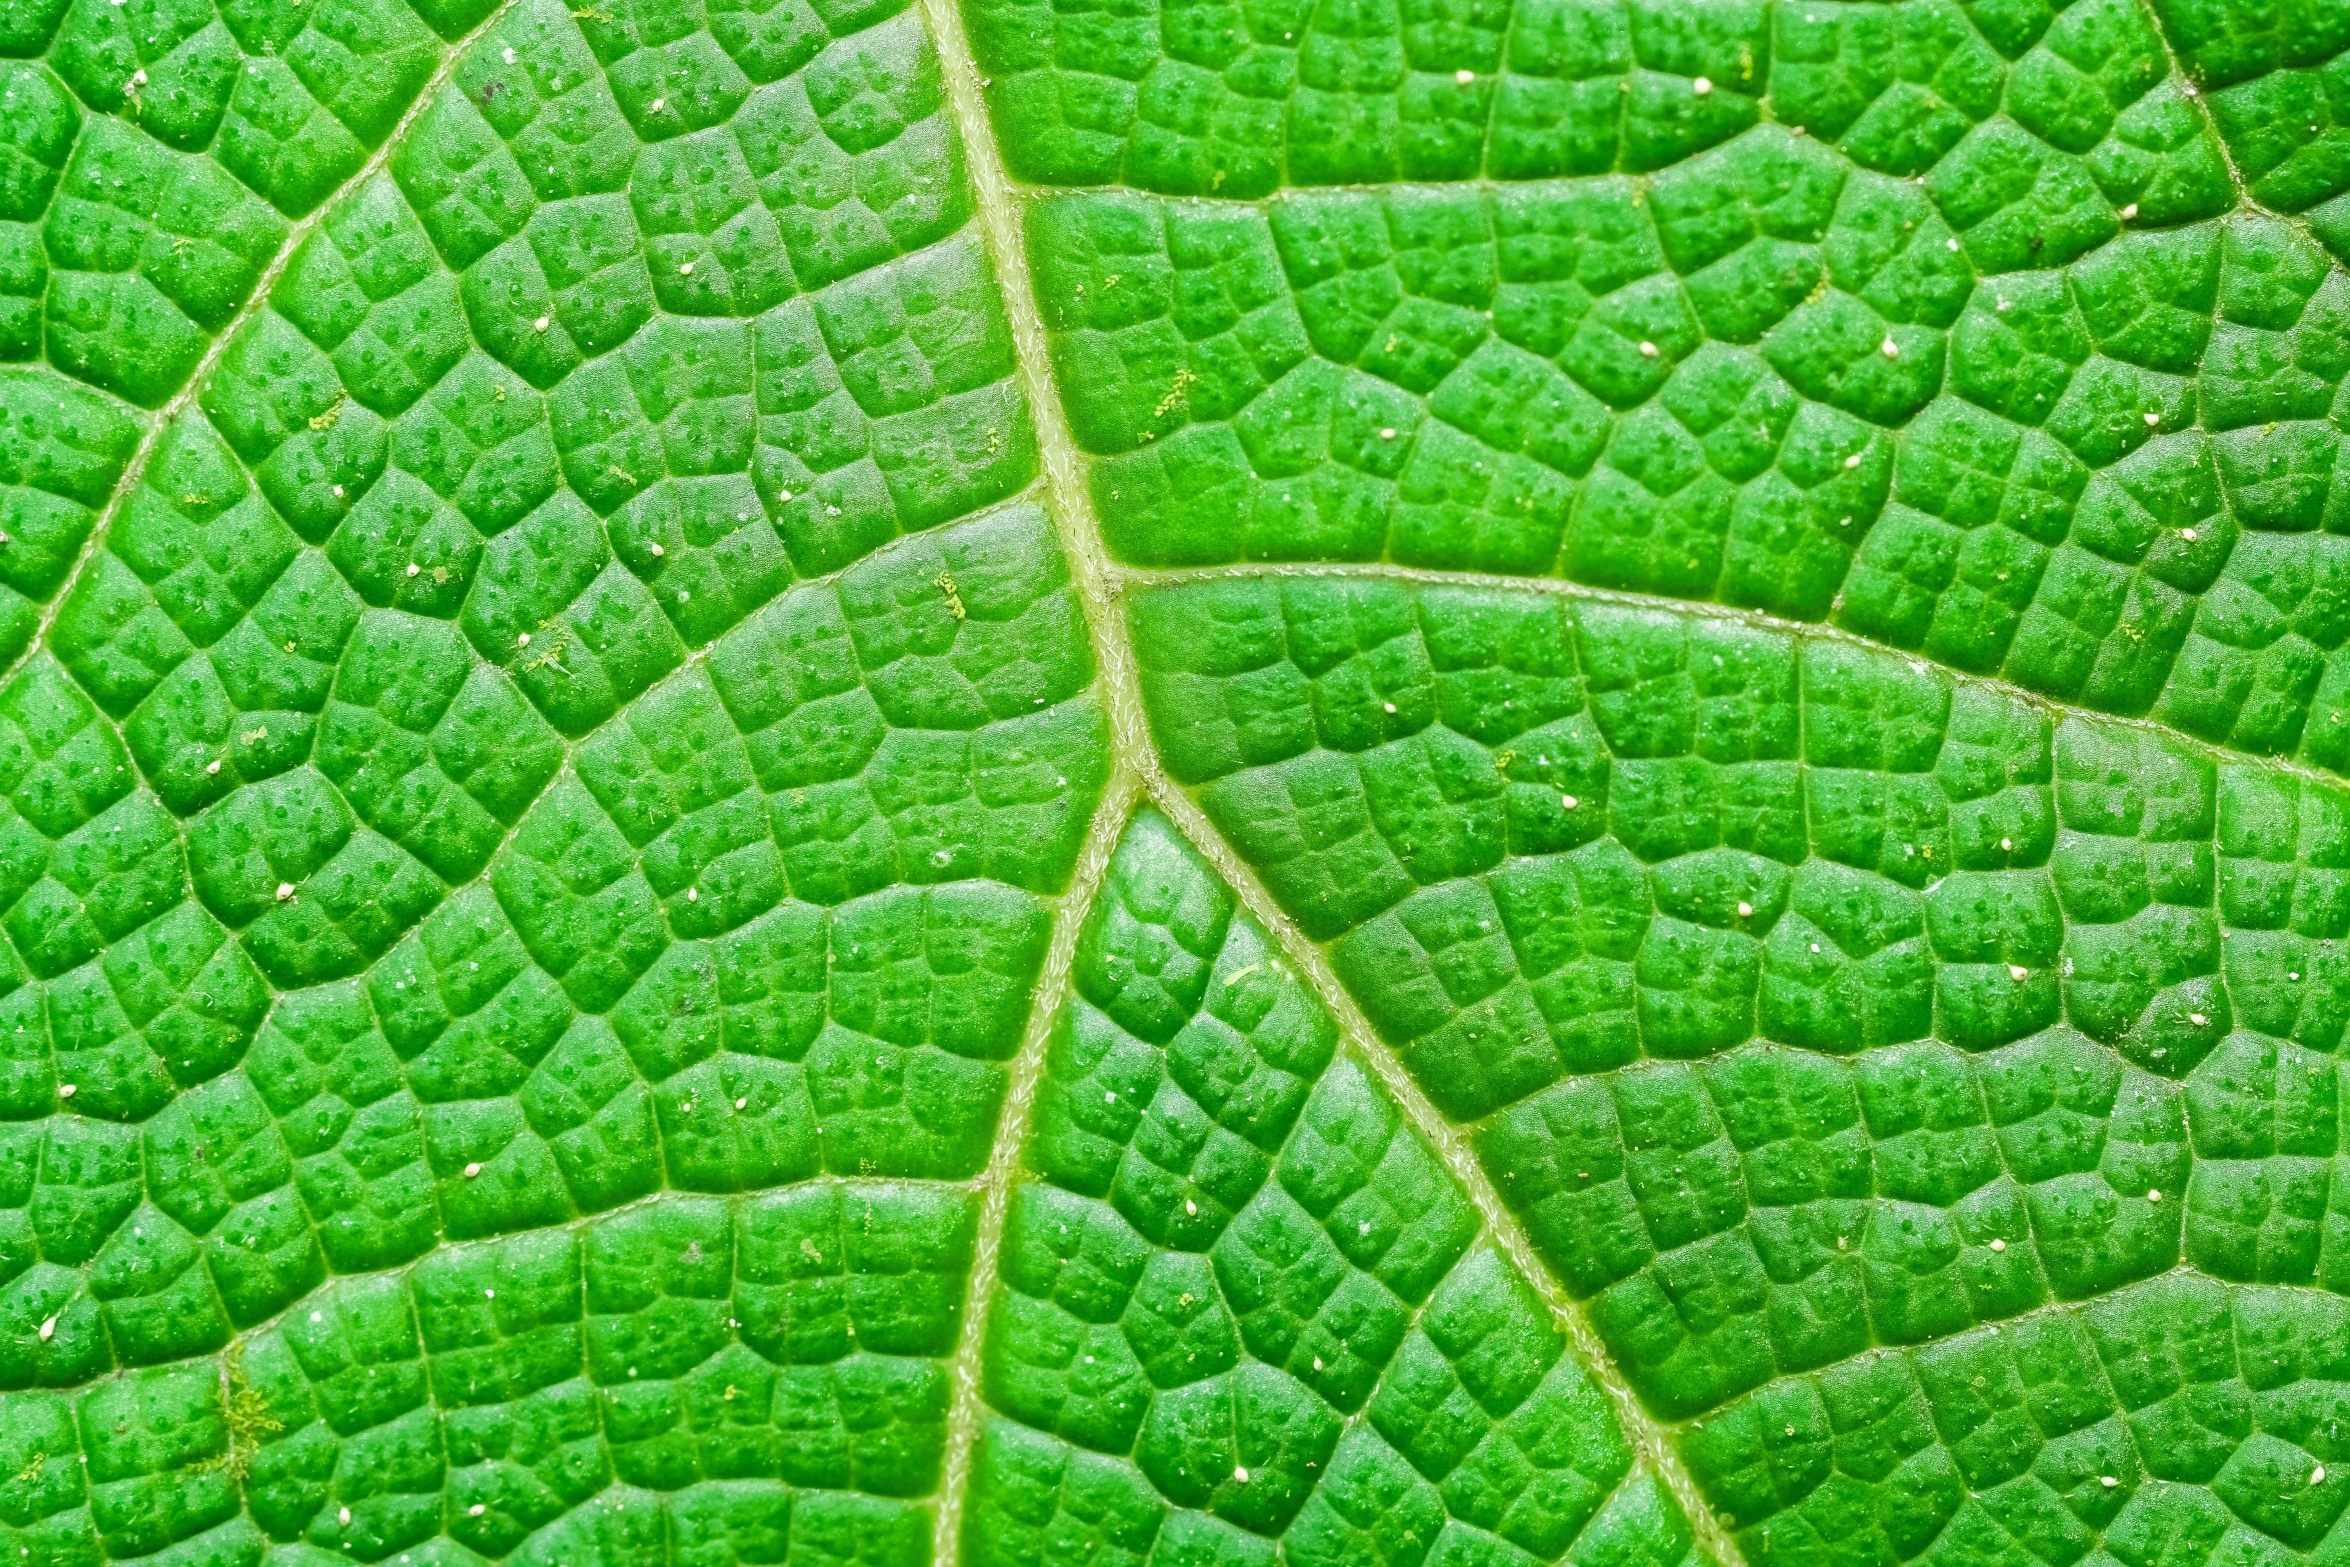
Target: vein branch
[163, 419]
[968, 1410]
[1801, 631]
[1646, 1434]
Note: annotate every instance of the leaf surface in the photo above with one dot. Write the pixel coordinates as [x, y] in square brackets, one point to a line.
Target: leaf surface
[833, 781]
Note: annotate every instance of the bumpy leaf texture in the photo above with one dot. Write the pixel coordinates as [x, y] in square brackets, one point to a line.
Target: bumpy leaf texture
[1190, 783]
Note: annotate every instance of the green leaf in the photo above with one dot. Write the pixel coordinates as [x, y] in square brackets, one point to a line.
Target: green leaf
[874, 782]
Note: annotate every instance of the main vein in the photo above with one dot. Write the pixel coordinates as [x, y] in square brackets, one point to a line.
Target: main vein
[1100, 583]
